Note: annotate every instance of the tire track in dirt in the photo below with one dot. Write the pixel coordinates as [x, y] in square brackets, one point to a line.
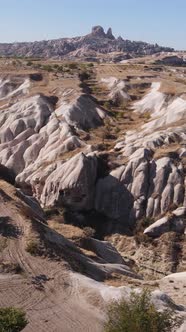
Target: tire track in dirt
[58, 306]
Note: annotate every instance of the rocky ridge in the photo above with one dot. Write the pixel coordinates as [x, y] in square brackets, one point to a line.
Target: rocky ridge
[91, 45]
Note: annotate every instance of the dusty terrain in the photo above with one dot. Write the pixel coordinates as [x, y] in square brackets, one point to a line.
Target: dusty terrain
[92, 196]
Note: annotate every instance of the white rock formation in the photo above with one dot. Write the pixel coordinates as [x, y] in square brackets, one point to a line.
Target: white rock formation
[111, 293]
[72, 183]
[81, 113]
[152, 101]
[34, 137]
[155, 184]
[142, 187]
[164, 110]
[9, 88]
[118, 90]
[173, 222]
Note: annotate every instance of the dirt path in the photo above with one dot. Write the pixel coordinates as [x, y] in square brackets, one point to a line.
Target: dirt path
[44, 289]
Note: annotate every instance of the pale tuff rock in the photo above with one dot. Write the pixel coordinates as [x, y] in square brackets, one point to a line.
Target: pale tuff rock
[153, 140]
[152, 102]
[155, 185]
[164, 111]
[82, 113]
[17, 87]
[103, 249]
[176, 222]
[31, 130]
[166, 186]
[110, 82]
[118, 90]
[142, 187]
[72, 183]
[110, 293]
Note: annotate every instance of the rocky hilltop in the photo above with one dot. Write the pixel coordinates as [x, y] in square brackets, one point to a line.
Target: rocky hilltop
[96, 43]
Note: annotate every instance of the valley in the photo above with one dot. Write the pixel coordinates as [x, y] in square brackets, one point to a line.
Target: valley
[92, 187]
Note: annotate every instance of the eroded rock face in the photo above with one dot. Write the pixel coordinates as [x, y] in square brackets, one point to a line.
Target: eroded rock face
[98, 31]
[164, 111]
[33, 139]
[112, 198]
[166, 186]
[118, 90]
[175, 222]
[109, 34]
[34, 136]
[156, 184]
[144, 187]
[105, 250]
[12, 87]
[172, 61]
[82, 113]
[72, 183]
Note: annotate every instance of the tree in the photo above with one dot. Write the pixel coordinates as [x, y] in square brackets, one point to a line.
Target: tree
[12, 320]
[140, 315]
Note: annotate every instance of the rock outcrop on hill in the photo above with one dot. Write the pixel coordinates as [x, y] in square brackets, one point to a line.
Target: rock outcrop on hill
[173, 60]
[97, 42]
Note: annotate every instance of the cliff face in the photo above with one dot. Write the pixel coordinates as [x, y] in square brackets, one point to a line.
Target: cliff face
[90, 45]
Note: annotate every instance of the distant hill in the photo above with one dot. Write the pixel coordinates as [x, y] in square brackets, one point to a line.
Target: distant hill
[97, 43]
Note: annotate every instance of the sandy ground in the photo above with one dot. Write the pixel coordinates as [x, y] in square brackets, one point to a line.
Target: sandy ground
[45, 289]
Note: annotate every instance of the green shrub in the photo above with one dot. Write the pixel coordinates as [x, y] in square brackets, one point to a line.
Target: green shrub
[8, 267]
[84, 75]
[48, 68]
[73, 65]
[56, 66]
[116, 130]
[140, 315]
[12, 320]
[146, 115]
[29, 63]
[90, 64]
[107, 105]
[32, 247]
[61, 68]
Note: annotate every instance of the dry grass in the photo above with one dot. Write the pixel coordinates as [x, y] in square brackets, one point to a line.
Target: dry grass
[171, 86]
[3, 243]
[68, 231]
[52, 84]
[119, 70]
[167, 151]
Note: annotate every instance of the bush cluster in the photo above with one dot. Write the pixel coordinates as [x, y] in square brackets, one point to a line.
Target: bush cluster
[140, 315]
[12, 320]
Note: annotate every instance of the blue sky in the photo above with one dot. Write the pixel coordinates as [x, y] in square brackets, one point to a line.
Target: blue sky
[161, 21]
